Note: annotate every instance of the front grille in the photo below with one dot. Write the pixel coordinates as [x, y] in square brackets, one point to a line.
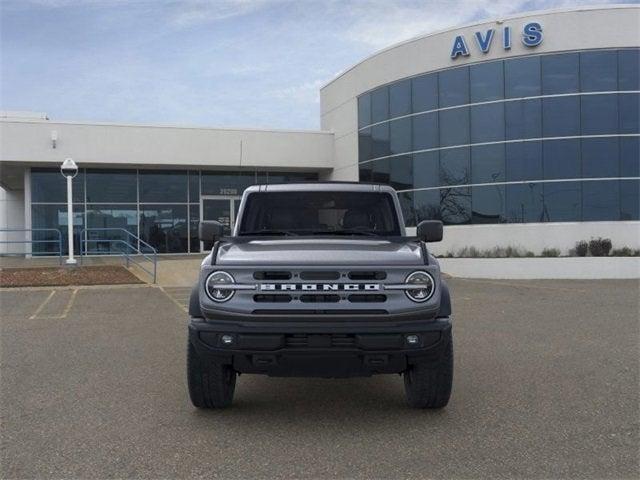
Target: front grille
[363, 275]
[320, 341]
[289, 312]
[319, 275]
[363, 298]
[319, 298]
[272, 275]
[262, 298]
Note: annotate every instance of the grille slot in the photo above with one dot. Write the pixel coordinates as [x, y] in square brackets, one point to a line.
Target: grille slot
[320, 341]
[367, 275]
[272, 275]
[266, 298]
[363, 298]
[319, 298]
[319, 275]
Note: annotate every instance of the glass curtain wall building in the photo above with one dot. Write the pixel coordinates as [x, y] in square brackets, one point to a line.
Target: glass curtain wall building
[539, 138]
[161, 207]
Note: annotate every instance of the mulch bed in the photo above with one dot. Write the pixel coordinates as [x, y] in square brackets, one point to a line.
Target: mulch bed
[63, 276]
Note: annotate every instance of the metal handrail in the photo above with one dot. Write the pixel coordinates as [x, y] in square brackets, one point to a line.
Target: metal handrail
[150, 256]
[32, 241]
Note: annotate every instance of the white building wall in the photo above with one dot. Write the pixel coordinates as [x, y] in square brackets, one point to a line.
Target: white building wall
[11, 216]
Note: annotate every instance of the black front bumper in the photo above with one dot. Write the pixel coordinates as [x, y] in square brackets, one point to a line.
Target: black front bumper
[323, 348]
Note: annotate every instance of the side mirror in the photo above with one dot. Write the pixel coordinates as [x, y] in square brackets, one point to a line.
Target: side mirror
[429, 230]
[209, 232]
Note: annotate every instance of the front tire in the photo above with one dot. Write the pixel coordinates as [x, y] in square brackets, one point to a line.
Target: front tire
[428, 384]
[211, 384]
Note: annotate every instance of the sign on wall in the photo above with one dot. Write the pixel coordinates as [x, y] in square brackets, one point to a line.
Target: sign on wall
[531, 36]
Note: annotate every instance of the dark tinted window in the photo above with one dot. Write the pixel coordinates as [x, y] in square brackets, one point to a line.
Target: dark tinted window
[629, 69]
[629, 112]
[560, 73]
[488, 204]
[400, 135]
[523, 161]
[524, 203]
[380, 140]
[487, 81]
[630, 200]
[599, 114]
[425, 92]
[427, 205]
[408, 212]
[487, 164]
[562, 201]
[630, 157]
[330, 212]
[108, 186]
[522, 77]
[454, 127]
[523, 119]
[365, 172]
[380, 170]
[365, 145]
[364, 110]
[194, 220]
[455, 205]
[599, 71]
[454, 166]
[561, 159]
[380, 104]
[425, 131]
[165, 227]
[401, 172]
[454, 87]
[426, 170]
[49, 186]
[115, 218]
[163, 186]
[487, 123]
[55, 216]
[194, 186]
[601, 200]
[600, 157]
[400, 98]
[561, 116]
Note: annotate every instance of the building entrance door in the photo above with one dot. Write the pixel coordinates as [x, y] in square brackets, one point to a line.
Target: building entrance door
[220, 208]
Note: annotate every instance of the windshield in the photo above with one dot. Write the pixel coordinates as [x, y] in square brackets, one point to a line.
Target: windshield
[318, 213]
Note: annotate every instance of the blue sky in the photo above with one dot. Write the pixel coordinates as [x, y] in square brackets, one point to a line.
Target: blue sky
[244, 63]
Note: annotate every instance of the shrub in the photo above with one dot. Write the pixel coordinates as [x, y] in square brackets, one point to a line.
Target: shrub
[600, 247]
[624, 252]
[550, 252]
[581, 248]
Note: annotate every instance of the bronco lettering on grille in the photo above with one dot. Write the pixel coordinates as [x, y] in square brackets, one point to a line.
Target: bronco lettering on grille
[314, 287]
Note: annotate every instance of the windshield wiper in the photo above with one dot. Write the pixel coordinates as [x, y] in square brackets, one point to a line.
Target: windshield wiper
[269, 232]
[347, 232]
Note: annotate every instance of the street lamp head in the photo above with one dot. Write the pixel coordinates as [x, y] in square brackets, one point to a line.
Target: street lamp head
[69, 168]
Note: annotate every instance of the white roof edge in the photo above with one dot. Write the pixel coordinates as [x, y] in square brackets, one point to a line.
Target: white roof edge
[143, 125]
[480, 22]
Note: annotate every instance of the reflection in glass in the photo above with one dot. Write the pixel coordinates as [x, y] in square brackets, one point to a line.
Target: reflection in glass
[425, 131]
[487, 81]
[630, 200]
[523, 161]
[365, 172]
[560, 73]
[165, 227]
[408, 212]
[601, 200]
[55, 216]
[561, 159]
[401, 172]
[194, 220]
[380, 104]
[599, 71]
[380, 140]
[400, 98]
[522, 77]
[227, 183]
[630, 157]
[400, 135]
[487, 123]
[454, 87]
[487, 163]
[561, 116]
[600, 157]
[488, 204]
[426, 169]
[424, 92]
[194, 186]
[454, 166]
[629, 112]
[163, 186]
[427, 205]
[365, 145]
[524, 203]
[114, 218]
[629, 69]
[364, 110]
[454, 127]
[112, 186]
[455, 205]
[562, 201]
[523, 119]
[48, 185]
[380, 171]
[599, 114]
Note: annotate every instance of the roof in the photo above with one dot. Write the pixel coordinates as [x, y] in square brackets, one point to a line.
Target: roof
[321, 187]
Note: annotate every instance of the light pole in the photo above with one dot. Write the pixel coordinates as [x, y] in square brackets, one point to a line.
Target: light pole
[69, 169]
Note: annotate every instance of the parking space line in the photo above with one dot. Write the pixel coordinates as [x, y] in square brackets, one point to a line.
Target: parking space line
[181, 306]
[66, 310]
[42, 305]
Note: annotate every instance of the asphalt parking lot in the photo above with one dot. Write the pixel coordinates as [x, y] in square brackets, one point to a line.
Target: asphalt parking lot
[546, 385]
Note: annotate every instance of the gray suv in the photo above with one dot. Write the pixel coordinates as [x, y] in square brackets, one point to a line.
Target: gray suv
[320, 280]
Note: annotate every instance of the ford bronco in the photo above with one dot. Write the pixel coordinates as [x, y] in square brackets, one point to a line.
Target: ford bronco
[320, 280]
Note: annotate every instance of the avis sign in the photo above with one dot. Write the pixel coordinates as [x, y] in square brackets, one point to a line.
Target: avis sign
[531, 37]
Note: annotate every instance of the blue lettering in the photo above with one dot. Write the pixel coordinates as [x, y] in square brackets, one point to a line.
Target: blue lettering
[485, 42]
[532, 34]
[506, 38]
[459, 47]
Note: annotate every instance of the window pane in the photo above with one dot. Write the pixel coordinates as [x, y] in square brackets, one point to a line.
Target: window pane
[400, 135]
[488, 204]
[454, 127]
[400, 98]
[408, 212]
[487, 123]
[454, 166]
[487, 81]
[246, 179]
[561, 116]
[165, 227]
[380, 104]
[523, 161]
[425, 131]
[487, 164]
[600, 157]
[48, 185]
[380, 140]
[380, 171]
[523, 119]
[194, 186]
[163, 186]
[112, 186]
[560, 73]
[599, 71]
[364, 173]
[426, 170]
[231, 183]
[401, 172]
[524, 203]
[600, 201]
[455, 205]
[454, 87]
[364, 110]
[630, 157]
[630, 200]
[55, 216]
[599, 114]
[365, 145]
[424, 94]
[427, 205]
[561, 159]
[522, 77]
[629, 112]
[562, 201]
[115, 218]
[629, 69]
[194, 220]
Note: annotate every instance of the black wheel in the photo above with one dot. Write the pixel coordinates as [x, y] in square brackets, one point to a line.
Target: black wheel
[211, 384]
[428, 384]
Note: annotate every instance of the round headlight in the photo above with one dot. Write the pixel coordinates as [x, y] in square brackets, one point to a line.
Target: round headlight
[425, 286]
[218, 294]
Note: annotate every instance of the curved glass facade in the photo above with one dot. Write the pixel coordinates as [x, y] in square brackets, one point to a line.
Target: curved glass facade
[541, 138]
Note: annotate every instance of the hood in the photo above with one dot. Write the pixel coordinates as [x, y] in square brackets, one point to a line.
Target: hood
[320, 251]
